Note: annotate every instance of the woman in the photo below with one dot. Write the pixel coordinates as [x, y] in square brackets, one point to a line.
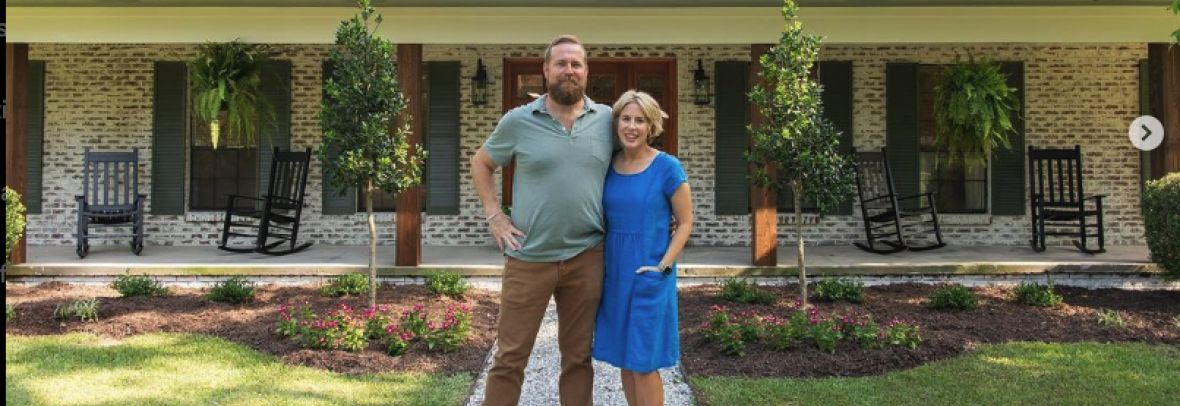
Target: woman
[637, 328]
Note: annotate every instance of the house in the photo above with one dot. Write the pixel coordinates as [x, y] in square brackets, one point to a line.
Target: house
[113, 77]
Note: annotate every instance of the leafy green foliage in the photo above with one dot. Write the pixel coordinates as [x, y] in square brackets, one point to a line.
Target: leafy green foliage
[236, 290]
[1176, 10]
[1161, 202]
[227, 77]
[954, 298]
[139, 286]
[14, 222]
[1038, 295]
[973, 108]
[447, 284]
[1176, 322]
[840, 290]
[347, 285]
[1110, 318]
[82, 310]
[361, 148]
[797, 139]
[9, 313]
[737, 291]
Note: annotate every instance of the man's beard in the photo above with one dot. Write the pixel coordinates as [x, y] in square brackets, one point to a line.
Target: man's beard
[567, 92]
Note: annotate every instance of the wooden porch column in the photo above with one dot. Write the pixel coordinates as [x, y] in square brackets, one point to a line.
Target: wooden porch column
[16, 137]
[763, 201]
[409, 203]
[1165, 106]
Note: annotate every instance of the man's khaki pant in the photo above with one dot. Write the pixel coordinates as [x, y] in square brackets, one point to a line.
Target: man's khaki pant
[577, 286]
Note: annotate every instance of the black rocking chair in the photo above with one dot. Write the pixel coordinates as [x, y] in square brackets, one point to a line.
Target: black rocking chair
[884, 219]
[271, 220]
[1058, 202]
[110, 199]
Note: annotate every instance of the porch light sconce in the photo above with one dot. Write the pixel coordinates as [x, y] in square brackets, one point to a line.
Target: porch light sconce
[479, 86]
[702, 86]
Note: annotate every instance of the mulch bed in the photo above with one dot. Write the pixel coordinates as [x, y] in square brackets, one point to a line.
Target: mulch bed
[253, 324]
[1149, 319]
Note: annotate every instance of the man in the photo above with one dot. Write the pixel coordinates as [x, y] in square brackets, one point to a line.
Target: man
[562, 143]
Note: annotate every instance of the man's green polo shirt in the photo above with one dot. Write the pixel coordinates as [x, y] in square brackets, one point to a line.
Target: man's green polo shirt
[559, 177]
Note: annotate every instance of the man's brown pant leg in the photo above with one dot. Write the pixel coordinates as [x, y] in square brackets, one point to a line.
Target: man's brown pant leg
[527, 289]
[523, 301]
[579, 291]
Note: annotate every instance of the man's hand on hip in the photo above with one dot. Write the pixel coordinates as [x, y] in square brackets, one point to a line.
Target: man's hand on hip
[505, 233]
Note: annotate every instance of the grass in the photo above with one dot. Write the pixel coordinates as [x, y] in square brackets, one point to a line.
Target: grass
[1022, 374]
[188, 370]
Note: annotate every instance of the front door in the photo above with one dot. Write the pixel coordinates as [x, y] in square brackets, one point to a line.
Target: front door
[609, 78]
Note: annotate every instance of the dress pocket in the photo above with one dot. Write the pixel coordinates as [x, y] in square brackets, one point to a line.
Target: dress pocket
[650, 289]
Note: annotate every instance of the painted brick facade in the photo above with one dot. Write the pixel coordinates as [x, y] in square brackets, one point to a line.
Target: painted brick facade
[101, 96]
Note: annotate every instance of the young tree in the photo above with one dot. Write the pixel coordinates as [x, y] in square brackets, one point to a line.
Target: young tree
[364, 144]
[796, 139]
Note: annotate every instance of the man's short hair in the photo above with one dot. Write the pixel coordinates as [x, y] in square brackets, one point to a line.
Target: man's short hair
[564, 39]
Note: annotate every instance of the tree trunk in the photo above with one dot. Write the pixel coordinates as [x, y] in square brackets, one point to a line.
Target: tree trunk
[799, 235]
[372, 245]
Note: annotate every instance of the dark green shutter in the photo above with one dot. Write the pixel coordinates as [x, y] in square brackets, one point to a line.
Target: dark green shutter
[334, 202]
[1008, 167]
[276, 87]
[902, 127]
[1144, 110]
[36, 136]
[169, 121]
[836, 77]
[731, 192]
[442, 138]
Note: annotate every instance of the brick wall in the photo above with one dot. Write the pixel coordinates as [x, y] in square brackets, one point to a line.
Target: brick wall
[101, 96]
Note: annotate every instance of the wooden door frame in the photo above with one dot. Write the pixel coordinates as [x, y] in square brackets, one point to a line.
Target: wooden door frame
[672, 139]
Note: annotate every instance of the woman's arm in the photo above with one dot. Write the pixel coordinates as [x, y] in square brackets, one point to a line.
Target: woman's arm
[682, 210]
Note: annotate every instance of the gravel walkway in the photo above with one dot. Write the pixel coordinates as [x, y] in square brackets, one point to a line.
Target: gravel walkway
[540, 386]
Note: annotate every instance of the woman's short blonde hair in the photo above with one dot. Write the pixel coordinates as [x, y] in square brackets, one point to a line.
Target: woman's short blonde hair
[650, 108]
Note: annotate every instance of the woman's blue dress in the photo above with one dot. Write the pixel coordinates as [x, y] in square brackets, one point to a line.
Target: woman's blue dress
[638, 327]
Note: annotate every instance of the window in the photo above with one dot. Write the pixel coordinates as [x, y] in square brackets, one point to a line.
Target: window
[958, 187]
[232, 169]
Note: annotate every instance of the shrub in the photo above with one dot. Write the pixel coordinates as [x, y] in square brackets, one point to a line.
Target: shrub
[954, 298]
[827, 335]
[1110, 318]
[1176, 322]
[340, 329]
[1038, 295]
[447, 284]
[449, 334]
[1161, 217]
[139, 286]
[860, 329]
[9, 313]
[724, 329]
[14, 222]
[396, 341]
[415, 321]
[347, 285]
[752, 327]
[83, 310]
[782, 336]
[901, 333]
[377, 322]
[840, 290]
[236, 290]
[737, 291]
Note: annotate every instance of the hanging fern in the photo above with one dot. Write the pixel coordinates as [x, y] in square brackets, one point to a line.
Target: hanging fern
[227, 77]
[973, 108]
[1176, 10]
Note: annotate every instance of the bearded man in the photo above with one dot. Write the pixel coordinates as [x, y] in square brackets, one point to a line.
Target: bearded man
[562, 143]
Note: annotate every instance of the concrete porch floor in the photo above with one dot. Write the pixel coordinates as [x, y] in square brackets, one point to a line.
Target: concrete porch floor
[484, 261]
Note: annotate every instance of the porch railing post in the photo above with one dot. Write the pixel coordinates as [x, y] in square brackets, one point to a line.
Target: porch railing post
[409, 203]
[16, 112]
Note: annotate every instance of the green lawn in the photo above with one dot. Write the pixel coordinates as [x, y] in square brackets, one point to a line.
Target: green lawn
[186, 370]
[1004, 375]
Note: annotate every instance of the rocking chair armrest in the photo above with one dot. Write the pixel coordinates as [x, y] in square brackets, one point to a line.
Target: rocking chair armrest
[918, 196]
